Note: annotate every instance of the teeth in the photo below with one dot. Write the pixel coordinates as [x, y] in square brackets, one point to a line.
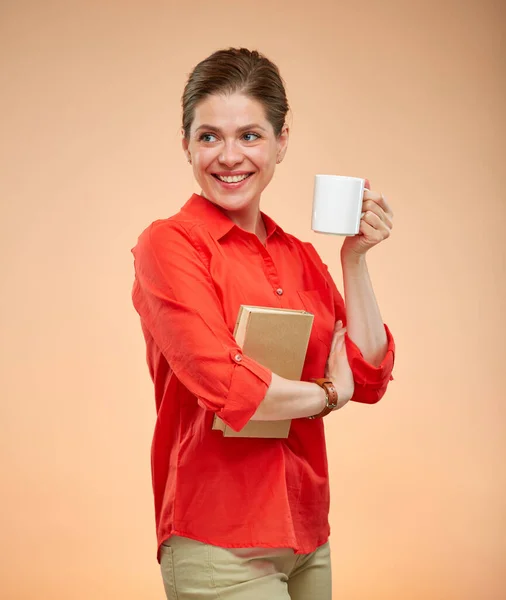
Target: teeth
[234, 179]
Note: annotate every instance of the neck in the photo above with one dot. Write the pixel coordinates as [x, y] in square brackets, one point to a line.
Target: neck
[250, 220]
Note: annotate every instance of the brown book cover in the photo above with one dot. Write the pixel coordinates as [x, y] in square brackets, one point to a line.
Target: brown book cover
[277, 338]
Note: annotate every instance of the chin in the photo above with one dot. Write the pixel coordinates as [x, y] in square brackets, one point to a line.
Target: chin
[232, 199]
[231, 202]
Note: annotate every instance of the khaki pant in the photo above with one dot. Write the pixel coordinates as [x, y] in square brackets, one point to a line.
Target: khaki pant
[192, 570]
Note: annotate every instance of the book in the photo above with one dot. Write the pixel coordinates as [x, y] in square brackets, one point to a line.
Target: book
[277, 338]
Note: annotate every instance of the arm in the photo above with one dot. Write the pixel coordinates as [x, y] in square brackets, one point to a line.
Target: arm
[369, 341]
[286, 399]
[371, 380]
[364, 323]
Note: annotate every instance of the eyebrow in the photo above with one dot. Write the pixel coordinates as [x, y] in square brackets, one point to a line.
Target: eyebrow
[245, 128]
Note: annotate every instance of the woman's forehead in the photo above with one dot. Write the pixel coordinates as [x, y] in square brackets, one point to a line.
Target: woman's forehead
[231, 111]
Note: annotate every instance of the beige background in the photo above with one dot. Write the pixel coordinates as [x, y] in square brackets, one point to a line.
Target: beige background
[408, 94]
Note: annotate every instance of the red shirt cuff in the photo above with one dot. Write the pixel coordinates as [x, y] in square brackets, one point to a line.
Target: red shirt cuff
[248, 387]
[367, 374]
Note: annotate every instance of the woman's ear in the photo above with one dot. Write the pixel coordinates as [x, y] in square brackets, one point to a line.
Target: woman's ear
[185, 145]
[283, 142]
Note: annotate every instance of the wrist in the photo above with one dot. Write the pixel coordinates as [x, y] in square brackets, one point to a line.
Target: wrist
[322, 400]
[351, 258]
[331, 398]
[344, 393]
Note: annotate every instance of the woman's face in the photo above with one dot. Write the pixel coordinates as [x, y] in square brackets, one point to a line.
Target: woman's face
[233, 149]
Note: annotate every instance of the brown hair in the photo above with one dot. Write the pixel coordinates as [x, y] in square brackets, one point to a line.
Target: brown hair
[236, 70]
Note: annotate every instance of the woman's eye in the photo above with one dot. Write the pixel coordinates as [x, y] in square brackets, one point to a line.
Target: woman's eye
[207, 137]
[251, 137]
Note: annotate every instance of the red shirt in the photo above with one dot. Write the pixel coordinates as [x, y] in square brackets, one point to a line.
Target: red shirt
[192, 273]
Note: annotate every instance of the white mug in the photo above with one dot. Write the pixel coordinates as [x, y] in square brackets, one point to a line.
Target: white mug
[337, 204]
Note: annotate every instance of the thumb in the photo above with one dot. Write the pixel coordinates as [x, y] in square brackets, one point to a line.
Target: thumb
[340, 345]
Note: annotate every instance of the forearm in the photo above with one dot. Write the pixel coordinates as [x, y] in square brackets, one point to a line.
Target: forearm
[363, 318]
[286, 399]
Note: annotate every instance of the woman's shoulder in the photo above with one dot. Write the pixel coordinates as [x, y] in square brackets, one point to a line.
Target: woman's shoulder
[304, 247]
[174, 234]
[177, 225]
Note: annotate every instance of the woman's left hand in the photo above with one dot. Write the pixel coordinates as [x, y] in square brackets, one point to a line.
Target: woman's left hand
[375, 225]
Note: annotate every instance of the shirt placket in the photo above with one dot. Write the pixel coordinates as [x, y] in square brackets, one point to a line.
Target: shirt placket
[270, 271]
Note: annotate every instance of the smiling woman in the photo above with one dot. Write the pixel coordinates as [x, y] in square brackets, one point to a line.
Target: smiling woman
[246, 518]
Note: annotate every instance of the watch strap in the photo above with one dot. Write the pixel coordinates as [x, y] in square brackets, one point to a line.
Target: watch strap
[331, 398]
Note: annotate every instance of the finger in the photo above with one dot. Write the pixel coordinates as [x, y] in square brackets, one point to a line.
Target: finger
[376, 222]
[386, 207]
[338, 328]
[340, 346]
[379, 199]
[374, 236]
[334, 342]
[367, 184]
[337, 336]
[372, 195]
[372, 206]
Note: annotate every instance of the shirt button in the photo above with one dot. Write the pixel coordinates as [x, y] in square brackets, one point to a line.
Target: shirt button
[279, 292]
[238, 358]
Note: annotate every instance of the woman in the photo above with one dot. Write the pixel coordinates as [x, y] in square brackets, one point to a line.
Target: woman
[247, 518]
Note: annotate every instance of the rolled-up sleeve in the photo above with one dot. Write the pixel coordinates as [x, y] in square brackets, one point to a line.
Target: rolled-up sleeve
[175, 297]
[370, 381]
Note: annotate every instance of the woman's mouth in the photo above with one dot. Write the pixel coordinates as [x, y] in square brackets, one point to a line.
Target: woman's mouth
[232, 181]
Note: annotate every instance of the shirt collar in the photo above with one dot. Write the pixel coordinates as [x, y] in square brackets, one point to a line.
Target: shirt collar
[218, 224]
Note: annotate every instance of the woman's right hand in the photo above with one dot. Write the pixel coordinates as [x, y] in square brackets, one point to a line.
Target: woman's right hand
[338, 368]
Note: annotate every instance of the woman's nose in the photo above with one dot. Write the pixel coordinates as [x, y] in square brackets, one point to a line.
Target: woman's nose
[230, 154]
